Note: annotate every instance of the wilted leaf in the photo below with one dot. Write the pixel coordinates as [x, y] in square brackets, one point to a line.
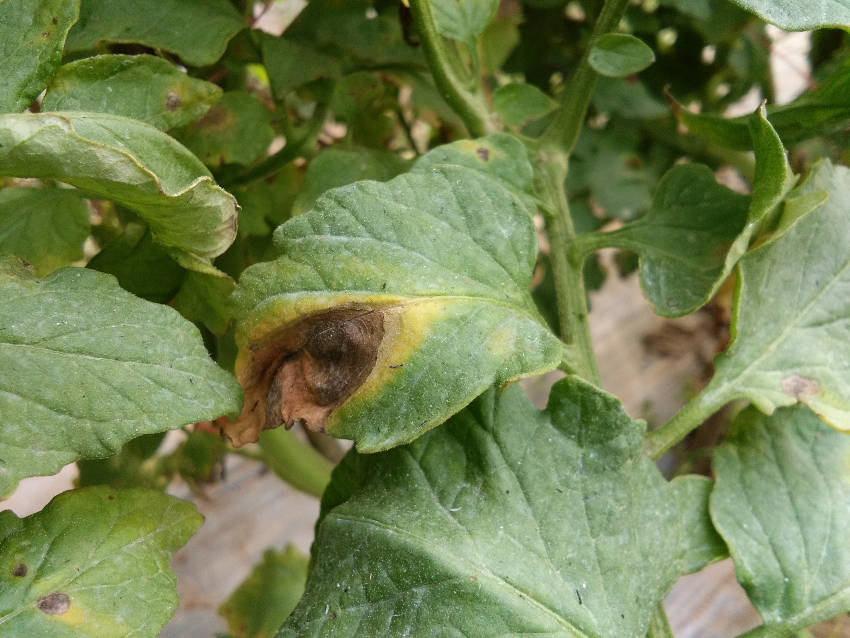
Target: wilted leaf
[44, 226]
[198, 32]
[234, 131]
[422, 282]
[86, 366]
[619, 54]
[131, 163]
[504, 521]
[782, 503]
[260, 605]
[791, 319]
[142, 87]
[93, 562]
[32, 34]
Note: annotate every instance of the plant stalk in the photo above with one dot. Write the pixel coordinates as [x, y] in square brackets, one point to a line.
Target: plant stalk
[468, 105]
[659, 625]
[295, 461]
[690, 417]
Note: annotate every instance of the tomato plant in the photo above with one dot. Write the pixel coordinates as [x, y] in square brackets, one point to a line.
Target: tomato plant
[367, 220]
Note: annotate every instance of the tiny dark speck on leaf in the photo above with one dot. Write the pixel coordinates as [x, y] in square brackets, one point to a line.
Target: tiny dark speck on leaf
[172, 101]
[111, 497]
[578, 595]
[483, 153]
[54, 604]
[55, 21]
[20, 571]
[384, 286]
[397, 365]
[45, 34]
[559, 490]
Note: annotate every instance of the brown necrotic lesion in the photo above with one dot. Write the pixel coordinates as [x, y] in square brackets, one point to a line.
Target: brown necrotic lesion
[307, 370]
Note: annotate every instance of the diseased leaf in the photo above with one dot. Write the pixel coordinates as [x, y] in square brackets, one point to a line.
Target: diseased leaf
[504, 521]
[463, 20]
[260, 605]
[782, 502]
[133, 164]
[401, 302]
[136, 367]
[234, 131]
[32, 34]
[822, 111]
[93, 562]
[791, 319]
[697, 230]
[198, 32]
[141, 266]
[619, 54]
[142, 87]
[792, 15]
[44, 226]
[340, 166]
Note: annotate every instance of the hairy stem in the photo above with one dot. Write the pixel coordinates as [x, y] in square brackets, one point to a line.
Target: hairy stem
[570, 295]
[690, 417]
[470, 106]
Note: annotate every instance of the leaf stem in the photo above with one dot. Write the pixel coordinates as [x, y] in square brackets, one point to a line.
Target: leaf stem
[295, 461]
[659, 626]
[690, 417]
[565, 128]
[570, 295]
[469, 105]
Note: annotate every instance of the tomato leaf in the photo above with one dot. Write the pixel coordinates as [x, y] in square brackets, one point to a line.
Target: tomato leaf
[619, 54]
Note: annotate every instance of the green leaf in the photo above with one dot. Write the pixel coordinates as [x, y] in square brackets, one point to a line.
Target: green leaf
[697, 230]
[32, 34]
[87, 366]
[260, 605]
[619, 54]
[792, 15]
[234, 131]
[198, 32]
[340, 166]
[822, 111]
[204, 299]
[702, 544]
[45, 226]
[93, 562]
[505, 521]
[520, 103]
[131, 163]
[142, 87]
[463, 20]
[430, 270]
[292, 64]
[141, 266]
[782, 502]
[628, 98]
[684, 238]
[791, 318]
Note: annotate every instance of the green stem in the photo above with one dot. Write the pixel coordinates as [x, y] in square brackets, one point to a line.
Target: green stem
[690, 417]
[659, 626]
[570, 295]
[468, 105]
[565, 128]
[295, 461]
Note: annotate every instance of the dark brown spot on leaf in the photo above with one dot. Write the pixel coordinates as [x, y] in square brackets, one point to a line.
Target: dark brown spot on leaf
[55, 21]
[54, 604]
[800, 387]
[483, 153]
[172, 101]
[307, 370]
[111, 497]
[20, 571]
